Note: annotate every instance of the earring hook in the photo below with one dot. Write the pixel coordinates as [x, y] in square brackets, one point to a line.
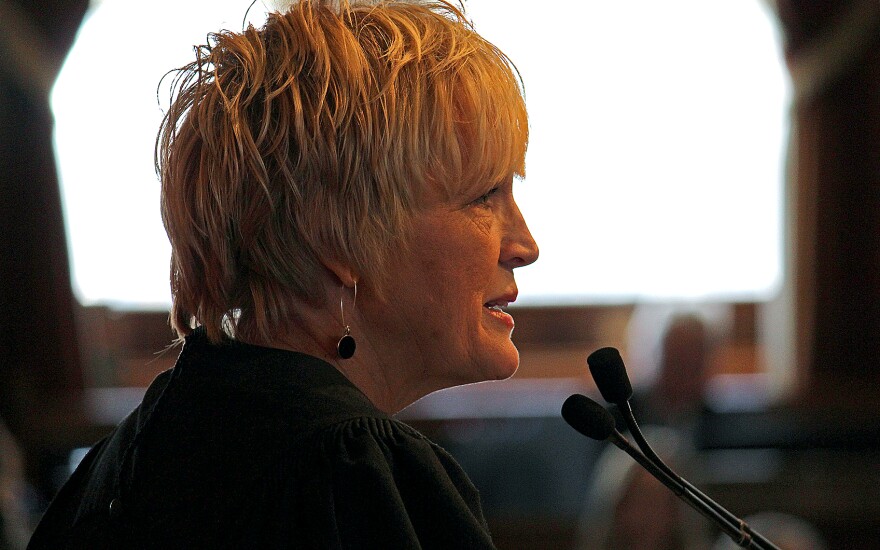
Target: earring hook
[353, 303]
[346, 345]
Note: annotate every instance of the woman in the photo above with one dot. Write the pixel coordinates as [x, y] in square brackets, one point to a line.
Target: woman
[337, 189]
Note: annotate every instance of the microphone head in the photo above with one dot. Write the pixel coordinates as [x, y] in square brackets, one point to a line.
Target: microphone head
[609, 372]
[588, 417]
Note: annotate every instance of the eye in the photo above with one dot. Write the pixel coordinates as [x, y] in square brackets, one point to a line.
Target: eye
[484, 199]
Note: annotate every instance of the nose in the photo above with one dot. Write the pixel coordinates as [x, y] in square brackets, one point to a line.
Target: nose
[518, 247]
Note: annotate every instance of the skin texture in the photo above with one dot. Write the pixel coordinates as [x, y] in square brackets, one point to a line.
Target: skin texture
[431, 330]
[435, 325]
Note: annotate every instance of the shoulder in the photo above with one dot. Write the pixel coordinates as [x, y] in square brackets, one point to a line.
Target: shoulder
[381, 482]
[389, 445]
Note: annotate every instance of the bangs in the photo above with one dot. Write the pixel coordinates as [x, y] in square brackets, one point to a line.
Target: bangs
[493, 131]
[450, 107]
[487, 140]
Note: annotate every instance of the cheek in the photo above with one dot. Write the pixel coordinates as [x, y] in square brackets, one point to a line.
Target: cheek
[453, 265]
[456, 278]
[452, 294]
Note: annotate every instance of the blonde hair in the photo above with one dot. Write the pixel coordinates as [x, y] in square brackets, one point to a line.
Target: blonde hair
[313, 138]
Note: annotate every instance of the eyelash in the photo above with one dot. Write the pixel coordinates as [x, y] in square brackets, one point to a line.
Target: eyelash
[485, 198]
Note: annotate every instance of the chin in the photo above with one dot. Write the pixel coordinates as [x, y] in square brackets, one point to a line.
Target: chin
[504, 365]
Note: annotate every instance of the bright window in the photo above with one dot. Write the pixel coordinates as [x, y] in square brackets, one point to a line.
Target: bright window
[654, 168]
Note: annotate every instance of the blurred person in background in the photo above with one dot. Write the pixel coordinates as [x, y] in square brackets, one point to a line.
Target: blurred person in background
[626, 506]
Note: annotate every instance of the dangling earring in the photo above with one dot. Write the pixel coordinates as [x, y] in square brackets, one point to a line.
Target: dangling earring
[346, 345]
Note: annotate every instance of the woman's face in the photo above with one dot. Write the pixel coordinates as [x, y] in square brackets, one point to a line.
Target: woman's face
[444, 304]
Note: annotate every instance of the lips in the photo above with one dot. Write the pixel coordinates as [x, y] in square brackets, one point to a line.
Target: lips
[502, 301]
[495, 308]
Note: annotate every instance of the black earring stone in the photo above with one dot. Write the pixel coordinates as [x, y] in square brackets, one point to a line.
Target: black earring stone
[346, 345]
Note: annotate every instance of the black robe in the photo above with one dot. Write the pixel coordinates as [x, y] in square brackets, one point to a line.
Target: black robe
[240, 446]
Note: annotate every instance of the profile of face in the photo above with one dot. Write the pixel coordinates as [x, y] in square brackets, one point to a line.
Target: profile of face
[448, 289]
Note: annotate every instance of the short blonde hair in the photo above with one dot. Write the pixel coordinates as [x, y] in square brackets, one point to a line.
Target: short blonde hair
[313, 138]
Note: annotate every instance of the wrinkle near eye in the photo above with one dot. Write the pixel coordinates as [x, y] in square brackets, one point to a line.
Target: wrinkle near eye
[483, 220]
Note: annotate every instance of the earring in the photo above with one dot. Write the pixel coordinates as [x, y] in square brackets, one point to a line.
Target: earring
[346, 345]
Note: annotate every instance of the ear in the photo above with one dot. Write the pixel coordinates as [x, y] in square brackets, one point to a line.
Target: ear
[343, 272]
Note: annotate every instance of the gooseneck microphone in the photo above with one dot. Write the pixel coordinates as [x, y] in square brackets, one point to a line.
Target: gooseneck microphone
[609, 372]
[594, 421]
[591, 419]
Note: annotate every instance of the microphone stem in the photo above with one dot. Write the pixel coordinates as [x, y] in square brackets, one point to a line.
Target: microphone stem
[742, 533]
[682, 492]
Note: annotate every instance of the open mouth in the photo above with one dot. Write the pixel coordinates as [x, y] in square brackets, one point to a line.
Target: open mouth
[495, 309]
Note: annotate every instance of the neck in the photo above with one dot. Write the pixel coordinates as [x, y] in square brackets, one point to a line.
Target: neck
[374, 369]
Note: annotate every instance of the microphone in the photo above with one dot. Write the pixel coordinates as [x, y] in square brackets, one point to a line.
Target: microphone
[594, 421]
[609, 373]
